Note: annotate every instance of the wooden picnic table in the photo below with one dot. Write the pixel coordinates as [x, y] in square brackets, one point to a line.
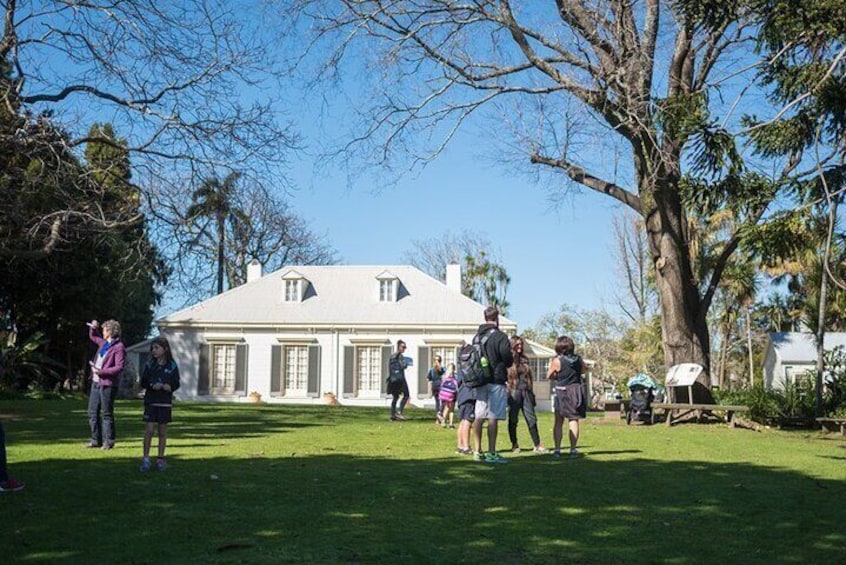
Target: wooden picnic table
[674, 411]
[832, 424]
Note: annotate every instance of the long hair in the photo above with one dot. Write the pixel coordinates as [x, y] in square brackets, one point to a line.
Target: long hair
[164, 344]
[521, 362]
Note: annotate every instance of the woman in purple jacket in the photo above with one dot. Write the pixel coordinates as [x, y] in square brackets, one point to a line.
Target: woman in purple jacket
[106, 367]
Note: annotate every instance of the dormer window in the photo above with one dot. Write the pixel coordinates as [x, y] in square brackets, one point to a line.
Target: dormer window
[388, 287]
[292, 290]
[387, 290]
[295, 286]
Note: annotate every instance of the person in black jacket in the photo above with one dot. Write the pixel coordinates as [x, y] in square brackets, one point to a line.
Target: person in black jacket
[159, 380]
[492, 398]
[566, 371]
[397, 385]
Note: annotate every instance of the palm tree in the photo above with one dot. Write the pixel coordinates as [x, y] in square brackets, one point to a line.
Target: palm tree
[214, 202]
[486, 281]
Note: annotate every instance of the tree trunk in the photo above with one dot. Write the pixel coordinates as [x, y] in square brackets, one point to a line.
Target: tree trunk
[684, 327]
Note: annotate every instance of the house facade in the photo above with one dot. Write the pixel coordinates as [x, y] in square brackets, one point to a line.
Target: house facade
[303, 331]
[791, 356]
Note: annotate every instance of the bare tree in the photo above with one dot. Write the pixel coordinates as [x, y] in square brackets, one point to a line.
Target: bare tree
[638, 299]
[483, 277]
[434, 254]
[446, 61]
[165, 75]
[257, 224]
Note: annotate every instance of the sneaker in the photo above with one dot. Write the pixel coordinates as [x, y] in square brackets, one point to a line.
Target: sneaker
[464, 451]
[556, 454]
[574, 453]
[479, 456]
[451, 426]
[146, 465]
[11, 485]
[393, 418]
[540, 449]
[495, 457]
[161, 465]
[399, 417]
[107, 446]
[515, 449]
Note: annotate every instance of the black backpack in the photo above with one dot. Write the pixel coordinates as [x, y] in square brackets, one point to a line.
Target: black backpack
[473, 366]
[396, 369]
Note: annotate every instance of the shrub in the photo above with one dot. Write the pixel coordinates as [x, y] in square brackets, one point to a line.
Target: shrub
[23, 366]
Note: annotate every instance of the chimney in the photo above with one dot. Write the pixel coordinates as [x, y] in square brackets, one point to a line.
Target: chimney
[253, 271]
[453, 277]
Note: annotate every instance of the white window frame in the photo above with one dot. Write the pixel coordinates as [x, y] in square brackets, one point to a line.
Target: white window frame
[445, 352]
[223, 368]
[293, 290]
[295, 369]
[387, 290]
[368, 371]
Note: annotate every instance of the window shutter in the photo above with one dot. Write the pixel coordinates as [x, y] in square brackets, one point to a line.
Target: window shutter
[423, 354]
[203, 371]
[349, 371]
[241, 369]
[386, 357]
[276, 370]
[314, 371]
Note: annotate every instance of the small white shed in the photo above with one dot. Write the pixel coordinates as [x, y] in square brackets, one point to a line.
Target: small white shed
[791, 356]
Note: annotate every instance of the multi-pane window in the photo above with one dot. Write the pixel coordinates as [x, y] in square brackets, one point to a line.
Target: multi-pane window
[447, 355]
[296, 369]
[539, 366]
[223, 369]
[387, 290]
[292, 290]
[369, 371]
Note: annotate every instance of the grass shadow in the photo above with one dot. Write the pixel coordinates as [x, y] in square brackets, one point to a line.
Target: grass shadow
[359, 491]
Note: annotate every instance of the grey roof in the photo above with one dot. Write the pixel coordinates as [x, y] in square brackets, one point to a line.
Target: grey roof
[337, 295]
[800, 347]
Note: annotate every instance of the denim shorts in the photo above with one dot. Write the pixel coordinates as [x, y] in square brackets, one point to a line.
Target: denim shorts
[491, 402]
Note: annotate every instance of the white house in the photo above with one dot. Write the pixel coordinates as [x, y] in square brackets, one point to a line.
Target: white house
[793, 355]
[303, 331]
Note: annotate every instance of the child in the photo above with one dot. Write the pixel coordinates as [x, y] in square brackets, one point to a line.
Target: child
[449, 388]
[465, 398]
[159, 379]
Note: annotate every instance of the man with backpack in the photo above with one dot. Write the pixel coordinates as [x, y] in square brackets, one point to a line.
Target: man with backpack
[397, 385]
[491, 397]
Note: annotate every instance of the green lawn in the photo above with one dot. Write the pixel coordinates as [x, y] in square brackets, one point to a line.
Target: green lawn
[261, 484]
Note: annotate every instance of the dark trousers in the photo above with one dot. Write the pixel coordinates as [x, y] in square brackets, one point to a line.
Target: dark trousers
[4, 472]
[101, 414]
[436, 392]
[397, 389]
[517, 401]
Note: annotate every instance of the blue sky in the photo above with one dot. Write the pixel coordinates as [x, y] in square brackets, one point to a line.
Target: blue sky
[554, 253]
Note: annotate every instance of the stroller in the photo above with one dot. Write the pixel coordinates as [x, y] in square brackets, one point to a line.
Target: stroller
[643, 392]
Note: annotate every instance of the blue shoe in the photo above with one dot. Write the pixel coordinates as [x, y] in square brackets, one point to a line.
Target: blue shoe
[146, 465]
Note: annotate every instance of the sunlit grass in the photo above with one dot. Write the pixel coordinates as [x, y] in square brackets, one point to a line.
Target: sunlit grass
[285, 484]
